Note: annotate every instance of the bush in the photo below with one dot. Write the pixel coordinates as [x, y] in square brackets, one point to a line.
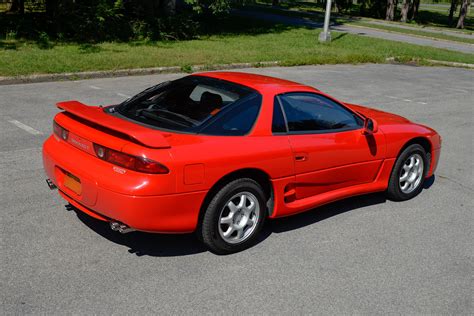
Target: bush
[43, 41]
[98, 21]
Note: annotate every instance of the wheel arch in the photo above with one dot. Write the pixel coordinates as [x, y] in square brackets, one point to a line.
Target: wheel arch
[423, 142]
[256, 174]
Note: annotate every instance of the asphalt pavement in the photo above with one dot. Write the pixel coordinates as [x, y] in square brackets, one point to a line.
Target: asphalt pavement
[364, 255]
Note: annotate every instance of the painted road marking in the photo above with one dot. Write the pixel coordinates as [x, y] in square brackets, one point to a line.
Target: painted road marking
[24, 127]
[95, 88]
[123, 95]
[458, 90]
[406, 100]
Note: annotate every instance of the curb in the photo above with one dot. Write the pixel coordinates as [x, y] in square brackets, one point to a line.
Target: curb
[173, 69]
[413, 35]
[128, 72]
[449, 63]
[432, 62]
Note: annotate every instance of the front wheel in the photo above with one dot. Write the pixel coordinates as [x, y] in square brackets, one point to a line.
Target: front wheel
[408, 174]
[234, 217]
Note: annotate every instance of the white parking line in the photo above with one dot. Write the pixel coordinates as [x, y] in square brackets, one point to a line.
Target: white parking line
[123, 95]
[95, 88]
[24, 127]
[458, 90]
[406, 100]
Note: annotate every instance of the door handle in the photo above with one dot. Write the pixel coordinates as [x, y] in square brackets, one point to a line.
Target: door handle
[301, 157]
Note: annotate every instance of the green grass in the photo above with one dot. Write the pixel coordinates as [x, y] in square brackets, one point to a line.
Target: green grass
[290, 46]
[396, 29]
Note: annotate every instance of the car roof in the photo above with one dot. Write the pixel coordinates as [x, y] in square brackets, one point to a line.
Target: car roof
[255, 81]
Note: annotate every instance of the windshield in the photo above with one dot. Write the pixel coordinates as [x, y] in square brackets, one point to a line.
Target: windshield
[190, 104]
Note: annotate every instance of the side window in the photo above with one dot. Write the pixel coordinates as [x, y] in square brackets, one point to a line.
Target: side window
[237, 121]
[307, 112]
[278, 125]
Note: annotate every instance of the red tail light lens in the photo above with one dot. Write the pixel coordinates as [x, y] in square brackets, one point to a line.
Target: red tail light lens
[60, 131]
[135, 163]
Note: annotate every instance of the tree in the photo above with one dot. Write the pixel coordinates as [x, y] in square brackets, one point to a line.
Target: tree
[462, 13]
[414, 9]
[405, 7]
[452, 10]
[17, 6]
[275, 3]
[169, 7]
[391, 8]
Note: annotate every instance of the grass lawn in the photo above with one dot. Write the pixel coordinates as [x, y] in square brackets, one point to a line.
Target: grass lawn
[420, 32]
[290, 46]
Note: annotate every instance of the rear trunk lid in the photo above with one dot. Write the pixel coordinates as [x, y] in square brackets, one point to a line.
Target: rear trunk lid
[94, 124]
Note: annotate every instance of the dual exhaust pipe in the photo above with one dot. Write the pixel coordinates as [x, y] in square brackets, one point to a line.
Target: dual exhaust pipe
[114, 225]
[120, 227]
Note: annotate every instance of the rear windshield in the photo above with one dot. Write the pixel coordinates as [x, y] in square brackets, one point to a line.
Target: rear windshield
[195, 104]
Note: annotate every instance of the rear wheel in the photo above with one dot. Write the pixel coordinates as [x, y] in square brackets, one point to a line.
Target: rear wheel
[408, 174]
[233, 217]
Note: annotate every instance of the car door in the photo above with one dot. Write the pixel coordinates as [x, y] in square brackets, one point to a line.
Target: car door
[330, 150]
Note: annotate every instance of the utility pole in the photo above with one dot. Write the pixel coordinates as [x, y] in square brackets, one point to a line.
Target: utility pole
[325, 35]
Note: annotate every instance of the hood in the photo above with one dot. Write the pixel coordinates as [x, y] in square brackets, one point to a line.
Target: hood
[382, 118]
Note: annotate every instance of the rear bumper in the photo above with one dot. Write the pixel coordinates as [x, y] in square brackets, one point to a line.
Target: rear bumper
[170, 213]
[157, 214]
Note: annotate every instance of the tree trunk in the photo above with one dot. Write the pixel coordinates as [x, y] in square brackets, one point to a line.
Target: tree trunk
[51, 7]
[169, 7]
[17, 6]
[414, 9]
[275, 3]
[452, 10]
[405, 7]
[391, 7]
[462, 13]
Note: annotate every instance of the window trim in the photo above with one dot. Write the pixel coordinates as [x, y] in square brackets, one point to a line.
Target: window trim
[115, 109]
[277, 99]
[328, 131]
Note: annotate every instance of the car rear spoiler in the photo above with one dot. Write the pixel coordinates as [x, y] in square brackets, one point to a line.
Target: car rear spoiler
[96, 115]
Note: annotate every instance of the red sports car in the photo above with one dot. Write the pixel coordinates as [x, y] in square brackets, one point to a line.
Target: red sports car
[219, 152]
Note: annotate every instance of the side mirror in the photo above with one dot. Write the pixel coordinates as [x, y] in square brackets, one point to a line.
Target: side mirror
[370, 126]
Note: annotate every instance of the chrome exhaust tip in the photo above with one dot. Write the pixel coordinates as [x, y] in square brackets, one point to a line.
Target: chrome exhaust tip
[51, 185]
[121, 228]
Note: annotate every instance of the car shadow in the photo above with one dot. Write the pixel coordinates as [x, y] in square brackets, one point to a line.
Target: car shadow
[324, 212]
[429, 182]
[140, 243]
[170, 245]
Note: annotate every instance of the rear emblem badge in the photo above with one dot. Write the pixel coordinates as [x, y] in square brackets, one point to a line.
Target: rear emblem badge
[119, 170]
[79, 144]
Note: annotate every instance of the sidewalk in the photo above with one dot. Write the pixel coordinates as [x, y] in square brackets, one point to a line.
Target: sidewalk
[307, 22]
[425, 28]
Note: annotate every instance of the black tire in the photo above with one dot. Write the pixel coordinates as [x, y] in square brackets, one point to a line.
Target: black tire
[208, 231]
[394, 191]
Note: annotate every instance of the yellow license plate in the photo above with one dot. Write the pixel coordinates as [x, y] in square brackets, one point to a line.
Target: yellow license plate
[73, 183]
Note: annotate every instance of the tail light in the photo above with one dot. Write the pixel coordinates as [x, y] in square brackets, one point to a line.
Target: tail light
[60, 131]
[131, 162]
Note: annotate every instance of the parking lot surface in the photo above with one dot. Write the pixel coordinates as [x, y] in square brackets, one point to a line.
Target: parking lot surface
[363, 255]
